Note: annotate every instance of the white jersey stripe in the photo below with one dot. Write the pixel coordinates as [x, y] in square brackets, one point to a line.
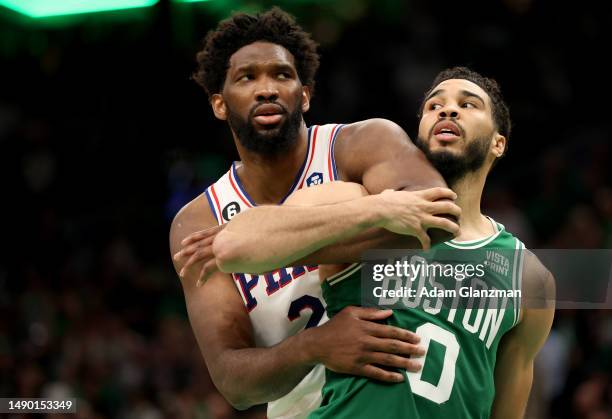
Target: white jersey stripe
[514, 280]
[345, 274]
[520, 279]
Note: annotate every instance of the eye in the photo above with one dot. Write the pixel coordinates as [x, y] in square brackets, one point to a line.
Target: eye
[434, 106]
[469, 105]
[283, 75]
[245, 77]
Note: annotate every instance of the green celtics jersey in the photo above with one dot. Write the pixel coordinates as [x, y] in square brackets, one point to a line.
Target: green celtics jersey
[460, 316]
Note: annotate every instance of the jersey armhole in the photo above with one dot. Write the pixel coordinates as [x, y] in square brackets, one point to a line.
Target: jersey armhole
[517, 279]
[213, 203]
[333, 170]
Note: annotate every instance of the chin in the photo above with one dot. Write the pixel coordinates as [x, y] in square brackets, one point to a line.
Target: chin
[446, 148]
[269, 131]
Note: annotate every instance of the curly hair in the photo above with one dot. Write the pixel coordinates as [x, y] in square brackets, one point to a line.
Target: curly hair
[501, 113]
[275, 26]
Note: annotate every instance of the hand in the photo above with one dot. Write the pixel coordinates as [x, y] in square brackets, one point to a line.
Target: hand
[352, 343]
[197, 247]
[412, 213]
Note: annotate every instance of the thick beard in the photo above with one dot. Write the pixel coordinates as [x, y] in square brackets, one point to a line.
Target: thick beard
[272, 143]
[452, 166]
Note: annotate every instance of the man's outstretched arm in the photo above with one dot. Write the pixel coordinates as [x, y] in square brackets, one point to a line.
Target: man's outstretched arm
[265, 238]
[375, 153]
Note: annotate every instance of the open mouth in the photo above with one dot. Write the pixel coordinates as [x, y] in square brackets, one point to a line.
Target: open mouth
[446, 131]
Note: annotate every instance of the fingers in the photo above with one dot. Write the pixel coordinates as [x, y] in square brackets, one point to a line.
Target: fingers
[434, 194]
[392, 332]
[424, 239]
[394, 361]
[369, 313]
[441, 223]
[445, 207]
[394, 346]
[202, 234]
[208, 269]
[203, 253]
[376, 373]
[190, 249]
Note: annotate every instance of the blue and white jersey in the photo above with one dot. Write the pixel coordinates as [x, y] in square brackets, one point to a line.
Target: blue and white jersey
[283, 302]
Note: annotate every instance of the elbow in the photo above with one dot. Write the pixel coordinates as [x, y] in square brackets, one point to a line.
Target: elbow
[238, 254]
[235, 395]
[237, 402]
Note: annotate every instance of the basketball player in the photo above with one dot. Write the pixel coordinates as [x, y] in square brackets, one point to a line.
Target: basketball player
[256, 332]
[481, 365]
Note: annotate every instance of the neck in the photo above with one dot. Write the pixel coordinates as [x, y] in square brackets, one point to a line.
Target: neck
[267, 179]
[469, 189]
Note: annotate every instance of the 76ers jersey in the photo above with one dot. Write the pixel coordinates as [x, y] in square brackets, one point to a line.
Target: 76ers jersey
[283, 302]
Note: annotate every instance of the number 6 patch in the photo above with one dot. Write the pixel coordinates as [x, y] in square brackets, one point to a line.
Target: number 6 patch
[230, 210]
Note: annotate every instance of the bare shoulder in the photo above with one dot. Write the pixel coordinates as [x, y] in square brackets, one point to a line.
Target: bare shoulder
[538, 288]
[380, 155]
[369, 130]
[371, 124]
[194, 216]
[366, 143]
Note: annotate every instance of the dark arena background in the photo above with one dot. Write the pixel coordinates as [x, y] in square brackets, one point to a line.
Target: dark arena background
[105, 137]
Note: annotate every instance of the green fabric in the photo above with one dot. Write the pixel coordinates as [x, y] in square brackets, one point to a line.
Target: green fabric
[468, 335]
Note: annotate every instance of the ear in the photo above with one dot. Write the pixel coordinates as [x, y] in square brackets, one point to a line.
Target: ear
[498, 145]
[218, 105]
[305, 99]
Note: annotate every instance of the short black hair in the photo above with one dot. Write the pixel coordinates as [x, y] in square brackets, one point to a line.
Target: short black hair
[241, 29]
[501, 113]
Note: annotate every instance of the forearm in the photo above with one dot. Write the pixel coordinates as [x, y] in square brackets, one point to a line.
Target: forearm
[251, 376]
[512, 394]
[244, 374]
[265, 238]
[351, 250]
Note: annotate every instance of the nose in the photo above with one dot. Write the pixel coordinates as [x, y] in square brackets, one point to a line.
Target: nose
[448, 111]
[266, 91]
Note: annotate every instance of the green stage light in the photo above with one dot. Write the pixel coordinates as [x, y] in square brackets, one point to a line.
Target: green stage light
[49, 8]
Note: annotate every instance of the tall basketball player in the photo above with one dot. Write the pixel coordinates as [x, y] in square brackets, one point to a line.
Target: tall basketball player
[256, 331]
[481, 364]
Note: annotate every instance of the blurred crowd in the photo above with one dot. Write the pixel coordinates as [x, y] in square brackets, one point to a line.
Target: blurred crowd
[104, 138]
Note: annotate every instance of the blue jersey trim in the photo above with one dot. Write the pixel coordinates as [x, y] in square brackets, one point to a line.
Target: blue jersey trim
[246, 195]
[212, 206]
[333, 156]
[295, 182]
[299, 174]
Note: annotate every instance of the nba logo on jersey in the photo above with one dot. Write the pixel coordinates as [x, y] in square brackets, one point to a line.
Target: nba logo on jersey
[315, 179]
